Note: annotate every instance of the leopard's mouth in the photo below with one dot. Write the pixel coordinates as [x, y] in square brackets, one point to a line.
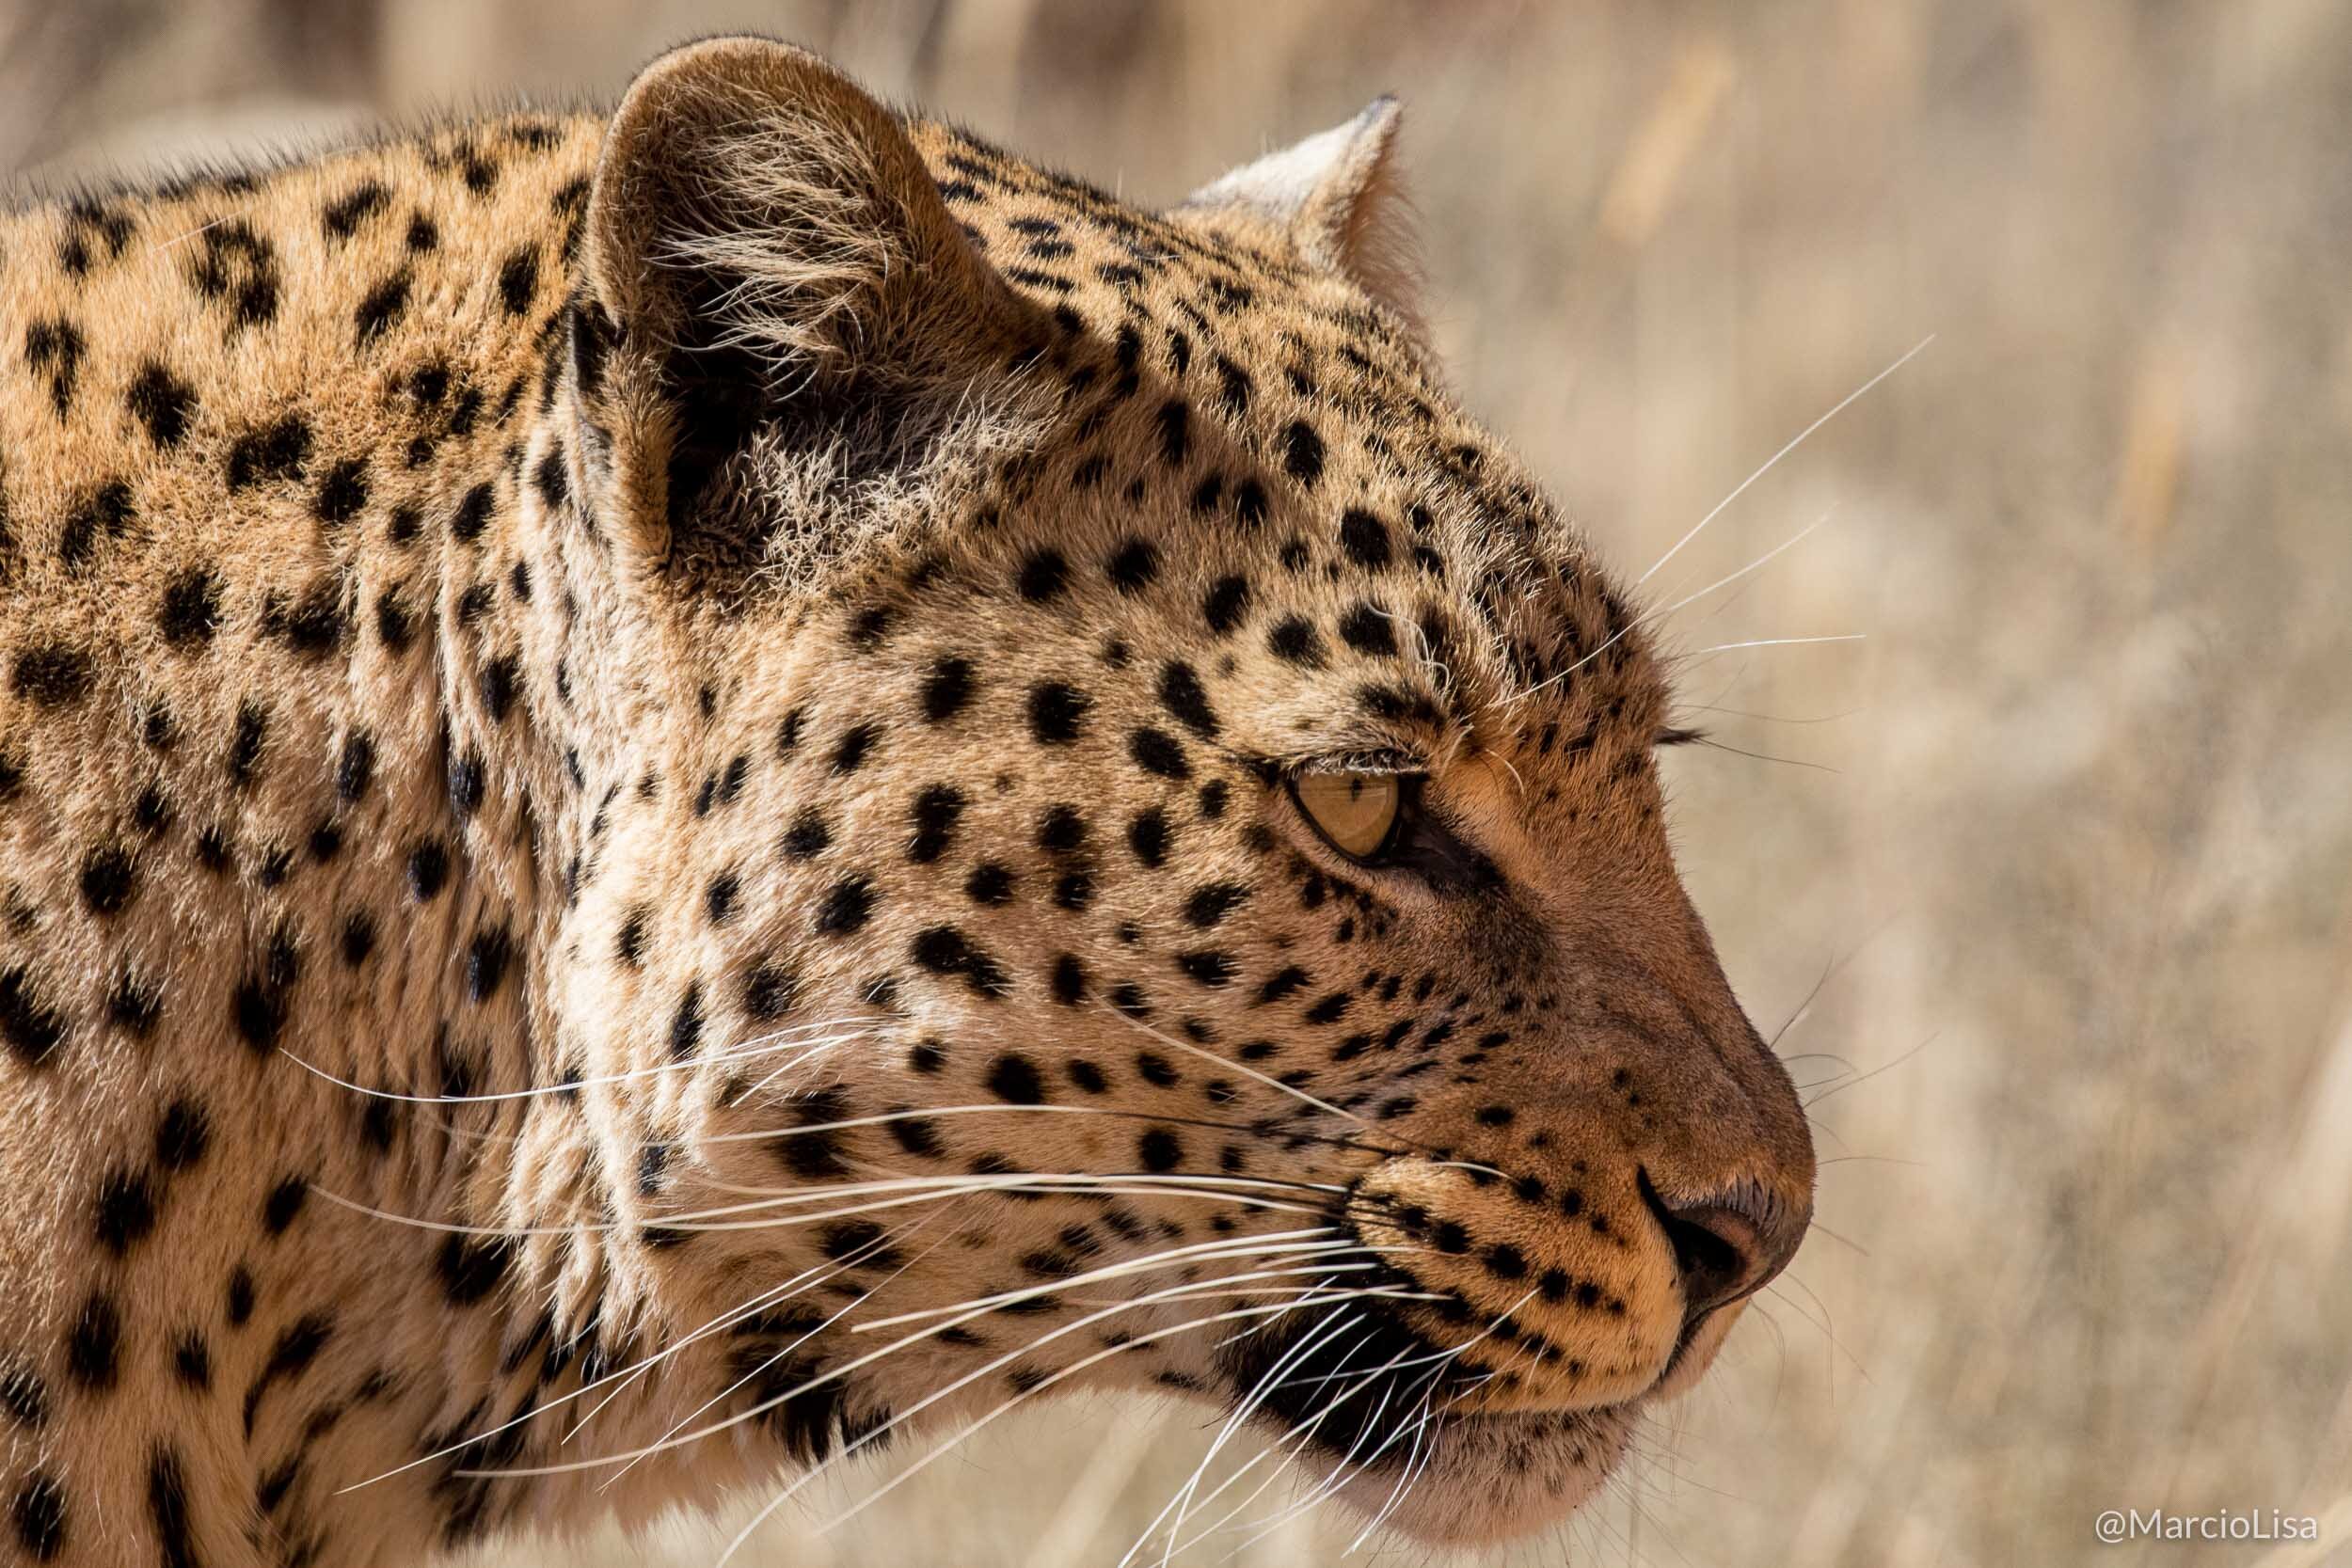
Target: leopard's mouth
[1390, 1423]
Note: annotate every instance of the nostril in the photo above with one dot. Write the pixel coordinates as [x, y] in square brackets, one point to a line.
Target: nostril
[1718, 1252]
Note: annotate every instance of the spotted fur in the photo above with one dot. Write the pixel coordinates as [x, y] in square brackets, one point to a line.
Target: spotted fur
[630, 745]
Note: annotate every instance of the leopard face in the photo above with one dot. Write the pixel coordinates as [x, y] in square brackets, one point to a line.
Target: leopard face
[1193, 868]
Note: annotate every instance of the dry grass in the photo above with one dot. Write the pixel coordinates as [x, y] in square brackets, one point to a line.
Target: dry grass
[2069, 833]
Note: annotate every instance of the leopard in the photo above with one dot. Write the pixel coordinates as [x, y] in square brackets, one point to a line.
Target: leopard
[697, 788]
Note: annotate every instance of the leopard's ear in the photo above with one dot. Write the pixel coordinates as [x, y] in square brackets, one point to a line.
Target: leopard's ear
[770, 269]
[1334, 196]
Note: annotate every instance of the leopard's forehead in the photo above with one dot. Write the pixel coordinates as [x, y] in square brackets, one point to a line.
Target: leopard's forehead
[1258, 439]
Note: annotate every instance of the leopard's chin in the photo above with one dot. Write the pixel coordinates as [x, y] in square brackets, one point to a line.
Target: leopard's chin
[1481, 1478]
[1378, 1419]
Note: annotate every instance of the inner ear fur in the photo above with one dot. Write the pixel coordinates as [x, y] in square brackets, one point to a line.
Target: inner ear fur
[773, 264]
[1336, 198]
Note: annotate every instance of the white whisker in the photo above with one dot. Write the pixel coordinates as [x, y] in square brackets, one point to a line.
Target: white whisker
[1771, 461]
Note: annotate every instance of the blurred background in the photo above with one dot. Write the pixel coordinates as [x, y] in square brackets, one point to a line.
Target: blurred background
[2044, 871]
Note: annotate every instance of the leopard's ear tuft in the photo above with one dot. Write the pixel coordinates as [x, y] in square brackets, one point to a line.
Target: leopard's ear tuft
[770, 267]
[1335, 196]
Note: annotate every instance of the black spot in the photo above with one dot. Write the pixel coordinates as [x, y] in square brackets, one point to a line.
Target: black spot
[1182, 694]
[629, 943]
[990, 883]
[192, 1361]
[1070, 980]
[686, 1025]
[31, 1029]
[1061, 831]
[946, 689]
[1132, 566]
[182, 1136]
[125, 1211]
[855, 744]
[808, 836]
[846, 906]
[38, 1511]
[25, 1397]
[1233, 386]
[51, 674]
[1207, 967]
[466, 784]
[1175, 439]
[1296, 641]
[1330, 1010]
[473, 514]
[553, 479]
[1365, 628]
[245, 743]
[768, 992]
[345, 214]
[161, 402]
[106, 510]
[1148, 835]
[1042, 576]
[719, 898]
[472, 1266]
[857, 1239]
[55, 345]
[1057, 712]
[1364, 538]
[428, 869]
[284, 1204]
[816, 1156]
[1160, 1150]
[1211, 903]
[354, 769]
[1249, 504]
[359, 939]
[392, 622]
[1157, 752]
[274, 451]
[94, 1342]
[935, 814]
[518, 279]
[190, 613]
[944, 950]
[1014, 1080]
[500, 676]
[241, 1296]
[1302, 452]
[380, 309]
[167, 1505]
[915, 1134]
[342, 493]
[107, 882]
[1227, 602]
[486, 957]
[133, 1006]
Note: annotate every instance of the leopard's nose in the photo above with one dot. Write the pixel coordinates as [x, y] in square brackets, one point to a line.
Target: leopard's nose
[1727, 1246]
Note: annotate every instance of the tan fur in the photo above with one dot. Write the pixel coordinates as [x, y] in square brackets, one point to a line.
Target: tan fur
[548, 761]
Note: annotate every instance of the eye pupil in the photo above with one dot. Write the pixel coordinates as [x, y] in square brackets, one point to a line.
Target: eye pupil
[1355, 813]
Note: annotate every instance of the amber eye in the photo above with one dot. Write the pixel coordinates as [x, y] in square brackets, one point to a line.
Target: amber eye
[1357, 812]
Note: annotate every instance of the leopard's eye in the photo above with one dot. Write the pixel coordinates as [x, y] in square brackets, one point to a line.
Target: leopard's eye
[1355, 812]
